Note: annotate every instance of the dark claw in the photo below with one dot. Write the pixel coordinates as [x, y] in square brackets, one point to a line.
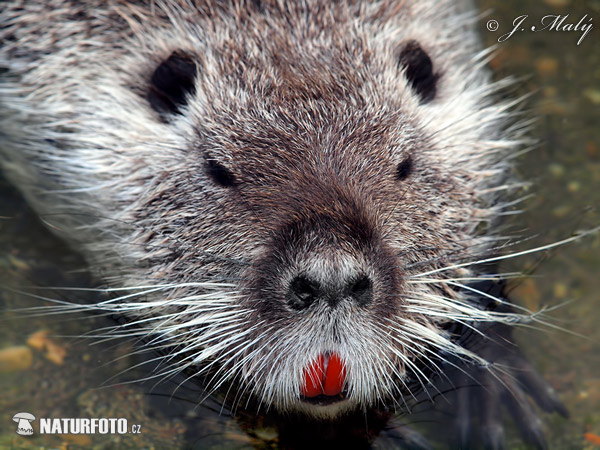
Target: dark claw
[526, 419]
[492, 429]
[493, 436]
[539, 389]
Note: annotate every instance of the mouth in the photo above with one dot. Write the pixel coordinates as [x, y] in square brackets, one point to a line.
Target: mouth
[324, 380]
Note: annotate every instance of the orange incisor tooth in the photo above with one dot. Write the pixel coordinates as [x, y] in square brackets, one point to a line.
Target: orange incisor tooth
[313, 378]
[335, 376]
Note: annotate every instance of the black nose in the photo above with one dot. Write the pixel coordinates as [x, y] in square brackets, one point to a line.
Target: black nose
[361, 291]
[304, 291]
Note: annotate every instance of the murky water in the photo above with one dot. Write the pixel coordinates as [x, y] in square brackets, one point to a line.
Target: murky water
[564, 79]
[56, 375]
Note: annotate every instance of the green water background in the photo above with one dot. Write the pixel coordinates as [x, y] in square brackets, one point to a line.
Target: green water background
[564, 82]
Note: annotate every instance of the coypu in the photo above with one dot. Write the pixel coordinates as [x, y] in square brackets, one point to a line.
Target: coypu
[298, 197]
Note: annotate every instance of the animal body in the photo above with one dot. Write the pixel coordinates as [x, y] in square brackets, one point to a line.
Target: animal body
[287, 199]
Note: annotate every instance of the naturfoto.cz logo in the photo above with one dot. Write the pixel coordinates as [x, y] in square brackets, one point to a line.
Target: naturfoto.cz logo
[73, 425]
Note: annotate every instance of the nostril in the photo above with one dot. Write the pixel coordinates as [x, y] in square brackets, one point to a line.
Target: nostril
[302, 293]
[361, 291]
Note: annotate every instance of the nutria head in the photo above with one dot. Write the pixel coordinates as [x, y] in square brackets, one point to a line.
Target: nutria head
[280, 180]
[316, 185]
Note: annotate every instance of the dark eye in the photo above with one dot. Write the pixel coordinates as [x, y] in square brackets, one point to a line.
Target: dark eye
[404, 168]
[220, 174]
[172, 83]
[418, 69]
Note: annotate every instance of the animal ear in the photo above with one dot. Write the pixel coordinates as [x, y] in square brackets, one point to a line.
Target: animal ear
[172, 83]
[405, 168]
[418, 69]
[220, 174]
